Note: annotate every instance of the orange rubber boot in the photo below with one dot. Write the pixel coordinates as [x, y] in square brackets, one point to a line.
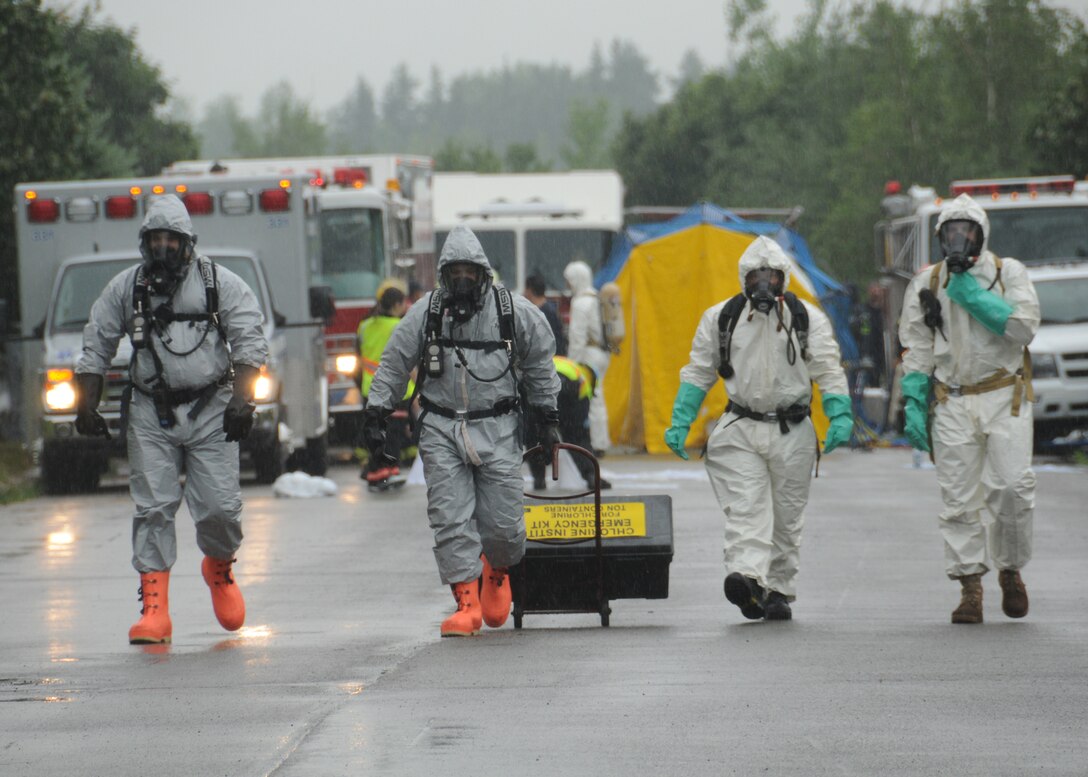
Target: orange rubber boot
[227, 601]
[154, 626]
[466, 621]
[495, 596]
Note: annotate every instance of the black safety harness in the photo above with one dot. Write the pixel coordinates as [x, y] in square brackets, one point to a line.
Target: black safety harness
[147, 320]
[434, 343]
[798, 328]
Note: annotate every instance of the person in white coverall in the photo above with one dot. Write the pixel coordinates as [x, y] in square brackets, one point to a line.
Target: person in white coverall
[965, 328]
[198, 345]
[470, 442]
[586, 345]
[762, 450]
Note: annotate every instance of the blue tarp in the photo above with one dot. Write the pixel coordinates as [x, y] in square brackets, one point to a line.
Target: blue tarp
[833, 295]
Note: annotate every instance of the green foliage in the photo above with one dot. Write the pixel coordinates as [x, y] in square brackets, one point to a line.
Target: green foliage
[16, 482]
[1059, 133]
[863, 93]
[126, 93]
[77, 100]
[588, 133]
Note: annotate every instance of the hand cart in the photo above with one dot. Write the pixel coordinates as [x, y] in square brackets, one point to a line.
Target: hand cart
[625, 554]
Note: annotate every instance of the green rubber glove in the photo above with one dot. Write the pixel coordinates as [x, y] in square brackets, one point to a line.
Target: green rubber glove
[915, 387]
[839, 411]
[989, 309]
[684, 410]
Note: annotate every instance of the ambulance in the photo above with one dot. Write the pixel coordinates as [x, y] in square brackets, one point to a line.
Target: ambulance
[73, 237]
[371, 219]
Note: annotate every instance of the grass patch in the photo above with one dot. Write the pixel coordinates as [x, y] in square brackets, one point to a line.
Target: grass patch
[16, 482]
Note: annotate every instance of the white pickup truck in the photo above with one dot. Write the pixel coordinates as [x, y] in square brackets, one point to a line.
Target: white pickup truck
[1059, 352]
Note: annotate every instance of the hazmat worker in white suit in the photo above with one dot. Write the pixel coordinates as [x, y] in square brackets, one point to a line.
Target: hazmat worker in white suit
[769, 346]
[586, 345]
[965, 327]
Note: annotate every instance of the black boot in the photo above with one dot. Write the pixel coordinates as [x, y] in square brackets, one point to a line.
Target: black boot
[777, 607]
[746, 593]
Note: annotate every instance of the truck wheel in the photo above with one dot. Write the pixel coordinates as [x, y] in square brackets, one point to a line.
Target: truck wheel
[315, 460]
[270, 463]
[63, 472]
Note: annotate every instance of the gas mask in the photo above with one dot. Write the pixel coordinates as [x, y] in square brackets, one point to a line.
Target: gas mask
[465, 290]
[164, 264]
[961, 243]
[763, 287]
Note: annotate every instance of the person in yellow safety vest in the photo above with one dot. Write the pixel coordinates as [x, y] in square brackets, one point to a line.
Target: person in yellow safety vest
[373, 334]
[576, 384]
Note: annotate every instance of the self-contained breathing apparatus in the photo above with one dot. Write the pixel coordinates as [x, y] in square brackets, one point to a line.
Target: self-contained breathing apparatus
[147, 321]
[434, 345]
[798, 328]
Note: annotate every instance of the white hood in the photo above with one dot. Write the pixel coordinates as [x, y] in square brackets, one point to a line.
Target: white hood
[764, 252]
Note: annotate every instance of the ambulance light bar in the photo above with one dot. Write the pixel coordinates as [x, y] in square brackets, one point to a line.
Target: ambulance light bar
[996, 187]
[354, 177]
[120, 207]
[41, 211]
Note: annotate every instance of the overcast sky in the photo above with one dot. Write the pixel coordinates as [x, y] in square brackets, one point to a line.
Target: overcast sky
[207, 48]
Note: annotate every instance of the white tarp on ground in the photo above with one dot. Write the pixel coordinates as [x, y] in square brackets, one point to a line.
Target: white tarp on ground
[299, 485]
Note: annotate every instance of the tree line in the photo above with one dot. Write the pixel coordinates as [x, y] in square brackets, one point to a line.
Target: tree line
[861, 93]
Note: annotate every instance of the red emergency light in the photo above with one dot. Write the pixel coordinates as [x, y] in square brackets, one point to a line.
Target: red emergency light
[274, 200]
[1055, 184]
[120, 207]
[197, 203]
[349, 176]
[42, 211]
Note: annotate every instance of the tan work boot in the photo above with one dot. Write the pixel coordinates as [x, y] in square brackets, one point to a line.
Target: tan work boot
[970, 609]
[468, 618]
[1014, 596]
[154, 626]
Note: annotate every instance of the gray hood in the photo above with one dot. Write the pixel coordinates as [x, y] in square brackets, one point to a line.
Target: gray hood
[462, 245]
[168, 212]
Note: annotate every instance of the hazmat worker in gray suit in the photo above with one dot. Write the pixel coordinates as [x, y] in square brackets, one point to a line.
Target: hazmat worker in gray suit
[482, 353]
[198, 345]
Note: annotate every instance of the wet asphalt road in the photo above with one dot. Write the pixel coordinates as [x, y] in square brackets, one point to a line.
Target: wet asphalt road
[340, 670]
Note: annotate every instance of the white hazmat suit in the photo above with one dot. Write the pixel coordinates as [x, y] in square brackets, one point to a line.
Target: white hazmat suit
[981, 436]
[586, 345]
[760, 474]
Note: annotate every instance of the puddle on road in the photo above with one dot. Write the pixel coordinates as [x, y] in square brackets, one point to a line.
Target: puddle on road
[14, 689]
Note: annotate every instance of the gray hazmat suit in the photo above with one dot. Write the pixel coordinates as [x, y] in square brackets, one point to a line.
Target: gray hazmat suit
[982, 451]
[475, 493]
[193, 356]
[761, 476]
[586, 345]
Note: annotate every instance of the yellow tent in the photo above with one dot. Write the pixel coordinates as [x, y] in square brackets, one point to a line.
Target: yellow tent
[666, 283]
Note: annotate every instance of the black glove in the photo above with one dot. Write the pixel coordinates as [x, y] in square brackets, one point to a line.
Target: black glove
[89, 421]
[547, 424]
[238, 417]
[374, 419]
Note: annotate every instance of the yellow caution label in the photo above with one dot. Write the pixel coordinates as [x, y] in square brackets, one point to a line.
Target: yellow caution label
[575, 521]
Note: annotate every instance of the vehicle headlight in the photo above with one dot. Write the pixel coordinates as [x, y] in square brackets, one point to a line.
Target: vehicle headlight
[346, 363]
[1044, 365]
[264, 388]
[59, 391]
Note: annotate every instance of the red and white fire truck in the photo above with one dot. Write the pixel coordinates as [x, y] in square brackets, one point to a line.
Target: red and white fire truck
[371, 219]
[1043, 222]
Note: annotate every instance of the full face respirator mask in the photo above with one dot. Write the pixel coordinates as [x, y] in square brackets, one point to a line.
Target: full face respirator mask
[164, 263]
[465, 292]
[961, 243]
[763, 287]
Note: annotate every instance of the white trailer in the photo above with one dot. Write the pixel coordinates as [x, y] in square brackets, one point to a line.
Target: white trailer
[533, 222]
